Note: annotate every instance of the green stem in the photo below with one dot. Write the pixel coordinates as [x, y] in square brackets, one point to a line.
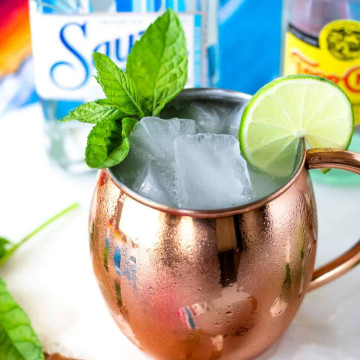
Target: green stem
[38, 229]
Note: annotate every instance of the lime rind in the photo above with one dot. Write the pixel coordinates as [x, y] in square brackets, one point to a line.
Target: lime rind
[307, 107]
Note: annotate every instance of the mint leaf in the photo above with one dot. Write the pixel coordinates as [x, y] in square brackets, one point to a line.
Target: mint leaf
[108, 143]
[4, 246]
[93, 112]
[128, 125]
[156, 73]
[18, 340]
[105, 102]
[7, 248]
[158, 63]
[118, 87]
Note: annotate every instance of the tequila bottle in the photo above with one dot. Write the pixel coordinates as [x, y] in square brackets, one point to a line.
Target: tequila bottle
[322, 37]
[65, 33]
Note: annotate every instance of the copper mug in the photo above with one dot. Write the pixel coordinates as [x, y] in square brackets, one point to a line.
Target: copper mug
[221, 284]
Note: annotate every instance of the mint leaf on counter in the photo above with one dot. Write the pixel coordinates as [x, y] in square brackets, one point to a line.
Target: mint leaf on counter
[108, 143]
[93, 112]
[118, 87]
[18, 340]
[7, 248]
[158, 63]
[5, 244]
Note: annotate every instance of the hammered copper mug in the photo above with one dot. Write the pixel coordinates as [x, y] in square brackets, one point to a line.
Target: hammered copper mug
[221, 284]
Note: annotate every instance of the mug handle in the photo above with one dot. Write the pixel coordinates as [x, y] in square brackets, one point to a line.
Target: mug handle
[344, 160]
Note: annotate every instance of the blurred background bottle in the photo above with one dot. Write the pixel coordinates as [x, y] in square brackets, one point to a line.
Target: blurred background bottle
[65, 33]
[322, 37]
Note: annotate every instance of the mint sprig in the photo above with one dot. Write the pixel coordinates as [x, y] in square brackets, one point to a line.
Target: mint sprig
[18, 340]
[158, 63]
[7, 248]
[156, 73]
[108, 142]
[118, 87]
[94, 112]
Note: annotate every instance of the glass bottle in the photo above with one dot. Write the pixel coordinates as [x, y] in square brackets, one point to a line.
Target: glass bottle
[65, 33]
[322, 37]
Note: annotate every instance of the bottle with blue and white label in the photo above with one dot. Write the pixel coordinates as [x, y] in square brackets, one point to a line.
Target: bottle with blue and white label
[65, 33]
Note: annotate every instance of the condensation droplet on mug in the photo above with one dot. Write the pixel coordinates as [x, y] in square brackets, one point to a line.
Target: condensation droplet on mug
[279, 307]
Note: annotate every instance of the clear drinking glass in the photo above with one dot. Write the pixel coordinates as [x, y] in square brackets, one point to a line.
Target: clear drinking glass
[65, 33]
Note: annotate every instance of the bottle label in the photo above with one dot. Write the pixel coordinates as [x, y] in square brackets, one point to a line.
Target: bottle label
[335, 55]
[63, 46]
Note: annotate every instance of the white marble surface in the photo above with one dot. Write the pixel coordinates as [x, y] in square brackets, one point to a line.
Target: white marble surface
[51, 276]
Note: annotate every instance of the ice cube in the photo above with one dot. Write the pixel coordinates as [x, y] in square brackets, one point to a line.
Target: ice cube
[155, 185]
[211, 173]
[210, 117]
[155, 136]
[233, 120]
[206, 114]
[149, 168]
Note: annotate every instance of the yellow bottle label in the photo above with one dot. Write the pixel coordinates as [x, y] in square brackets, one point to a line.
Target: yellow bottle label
[335, 55]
